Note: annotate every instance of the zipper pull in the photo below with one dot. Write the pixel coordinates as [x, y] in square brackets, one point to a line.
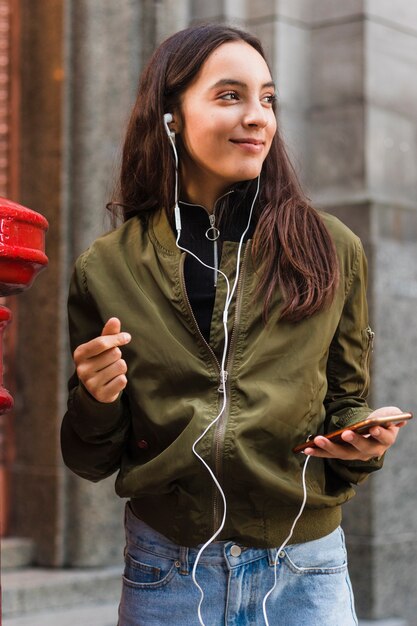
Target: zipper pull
[223, 378]
[213, 234]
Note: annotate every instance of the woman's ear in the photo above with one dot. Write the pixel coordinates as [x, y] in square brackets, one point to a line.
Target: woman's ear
[170, 124]
[176, 122]
[175, 126]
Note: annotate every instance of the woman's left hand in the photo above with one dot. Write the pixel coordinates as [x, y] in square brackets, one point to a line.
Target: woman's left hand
[360, 447]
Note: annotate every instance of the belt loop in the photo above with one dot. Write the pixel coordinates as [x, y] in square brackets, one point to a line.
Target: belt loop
[272, 555]
[184, 560]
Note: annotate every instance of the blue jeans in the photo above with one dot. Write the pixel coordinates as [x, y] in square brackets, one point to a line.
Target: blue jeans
[313, 585]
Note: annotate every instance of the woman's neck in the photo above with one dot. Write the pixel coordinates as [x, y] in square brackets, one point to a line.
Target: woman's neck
[201, 190]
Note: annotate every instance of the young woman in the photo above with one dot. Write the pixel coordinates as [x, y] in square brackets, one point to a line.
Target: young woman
[222, 324]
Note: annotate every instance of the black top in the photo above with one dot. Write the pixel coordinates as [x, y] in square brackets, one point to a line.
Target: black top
[231, 214]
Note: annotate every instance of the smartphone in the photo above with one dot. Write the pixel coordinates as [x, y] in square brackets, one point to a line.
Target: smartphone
[361, 428]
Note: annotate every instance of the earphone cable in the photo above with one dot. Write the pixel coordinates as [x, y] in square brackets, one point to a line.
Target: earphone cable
[286, 540]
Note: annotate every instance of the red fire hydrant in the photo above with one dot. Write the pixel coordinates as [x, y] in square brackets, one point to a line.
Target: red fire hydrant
[22, 257]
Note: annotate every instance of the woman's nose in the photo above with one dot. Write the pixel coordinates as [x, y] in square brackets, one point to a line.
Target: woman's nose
[255, 114]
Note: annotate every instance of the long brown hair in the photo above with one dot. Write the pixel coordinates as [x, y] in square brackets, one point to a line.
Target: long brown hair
[291, 245]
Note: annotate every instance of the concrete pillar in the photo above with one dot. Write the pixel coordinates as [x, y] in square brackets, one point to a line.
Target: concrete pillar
[362, 167]
[283, 28]
[170, 16]
[104, 52]
[225, 11]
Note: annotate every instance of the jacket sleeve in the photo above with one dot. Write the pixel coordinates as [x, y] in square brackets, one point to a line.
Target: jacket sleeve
[93, 433]
[348, 369]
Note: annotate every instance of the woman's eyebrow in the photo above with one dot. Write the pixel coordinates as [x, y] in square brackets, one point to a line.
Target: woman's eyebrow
[223, 82]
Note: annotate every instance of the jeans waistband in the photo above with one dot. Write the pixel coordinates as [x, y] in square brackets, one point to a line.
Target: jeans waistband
[216, 553]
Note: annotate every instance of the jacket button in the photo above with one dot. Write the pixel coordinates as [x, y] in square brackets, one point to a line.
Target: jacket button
[235, 551]
[143, 444]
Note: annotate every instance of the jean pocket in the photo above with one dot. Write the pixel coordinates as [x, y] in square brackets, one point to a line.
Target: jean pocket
[326, 555]
[148, 570]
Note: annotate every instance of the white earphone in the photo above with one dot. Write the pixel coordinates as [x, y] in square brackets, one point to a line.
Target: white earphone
[168, 118]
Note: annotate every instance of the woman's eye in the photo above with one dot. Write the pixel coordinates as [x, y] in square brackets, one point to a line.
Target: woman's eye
[270, 98]
[230, 95]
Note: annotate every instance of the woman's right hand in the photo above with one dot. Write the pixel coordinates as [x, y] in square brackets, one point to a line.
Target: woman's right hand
[99, 362]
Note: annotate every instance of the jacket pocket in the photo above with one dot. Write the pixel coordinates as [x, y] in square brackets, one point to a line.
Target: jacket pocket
[368, 337]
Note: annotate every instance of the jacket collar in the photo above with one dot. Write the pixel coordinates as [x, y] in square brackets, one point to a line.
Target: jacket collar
[163, 233]
[162, 230]
[201, 206]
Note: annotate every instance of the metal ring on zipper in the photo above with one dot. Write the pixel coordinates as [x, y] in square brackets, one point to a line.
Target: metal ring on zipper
[214, 233]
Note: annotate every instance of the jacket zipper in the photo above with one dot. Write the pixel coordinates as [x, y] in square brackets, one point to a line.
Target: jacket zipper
[213, 230]
[215, 235]
[220, 429]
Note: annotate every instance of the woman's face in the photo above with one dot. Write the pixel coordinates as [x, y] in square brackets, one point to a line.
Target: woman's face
[226, 122]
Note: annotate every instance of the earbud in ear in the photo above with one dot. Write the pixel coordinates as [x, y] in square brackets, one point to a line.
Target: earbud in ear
[168, 118]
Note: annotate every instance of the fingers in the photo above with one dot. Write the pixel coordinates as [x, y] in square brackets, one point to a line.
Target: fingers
[384, 436]
[106, 341]
[356, 447]
[99, 362]
[352, 451]
[111, 327]
[98, 366]
[106, 384]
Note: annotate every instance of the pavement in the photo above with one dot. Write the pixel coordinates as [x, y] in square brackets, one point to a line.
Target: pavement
[93, 615]
[60, 597]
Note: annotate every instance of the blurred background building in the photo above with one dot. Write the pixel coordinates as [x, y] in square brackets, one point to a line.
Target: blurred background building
[346, 72]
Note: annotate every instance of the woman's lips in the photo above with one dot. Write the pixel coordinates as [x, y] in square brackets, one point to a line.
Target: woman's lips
[254, 146]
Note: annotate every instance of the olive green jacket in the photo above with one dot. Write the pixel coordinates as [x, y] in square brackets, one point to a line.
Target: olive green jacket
[284, 382]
